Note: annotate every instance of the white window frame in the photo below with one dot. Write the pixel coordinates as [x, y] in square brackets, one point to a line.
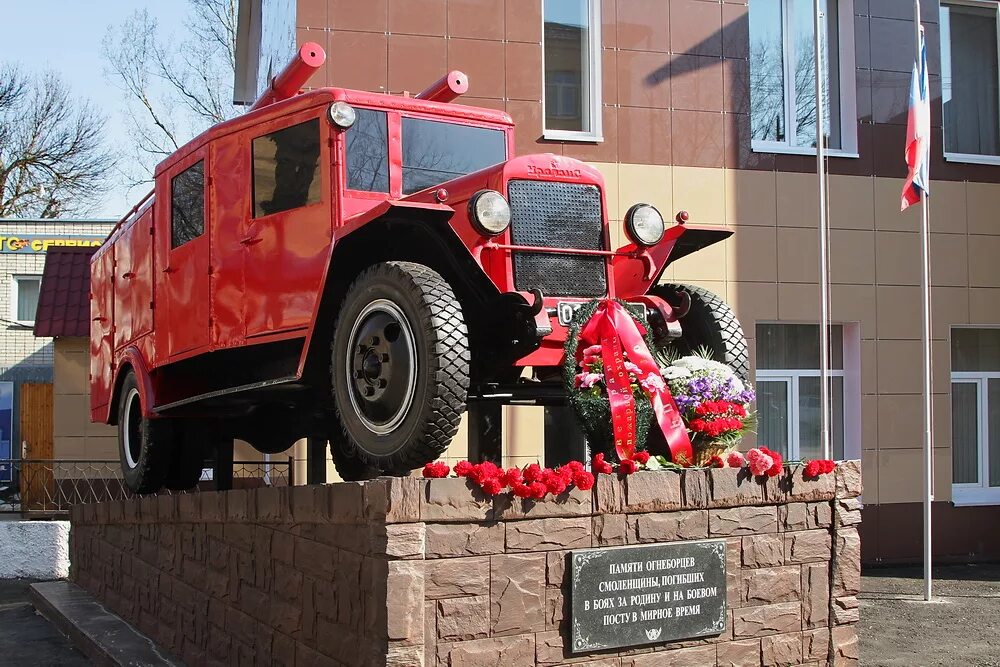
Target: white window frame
[968, 158]
[848, 90]
[851, 374]
[15, 297]
[980, 493]
[591, 91]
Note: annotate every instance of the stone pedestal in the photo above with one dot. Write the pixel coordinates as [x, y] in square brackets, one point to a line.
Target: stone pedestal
[406, 571]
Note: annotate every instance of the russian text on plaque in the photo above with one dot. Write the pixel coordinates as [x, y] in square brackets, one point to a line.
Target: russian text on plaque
[631, 596]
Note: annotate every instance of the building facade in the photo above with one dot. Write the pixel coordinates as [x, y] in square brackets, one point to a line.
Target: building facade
[708, 106]
[25, 358]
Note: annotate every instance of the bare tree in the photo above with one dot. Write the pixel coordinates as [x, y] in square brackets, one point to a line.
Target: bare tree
[175, 87]
[52, 156]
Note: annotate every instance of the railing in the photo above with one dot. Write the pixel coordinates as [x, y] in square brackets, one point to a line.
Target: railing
[51, 486]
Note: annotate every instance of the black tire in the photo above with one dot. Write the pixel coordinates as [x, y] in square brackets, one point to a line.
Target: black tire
[143, 444]
[349, 465]
[400, 335]
[711, 323]
[187, 458]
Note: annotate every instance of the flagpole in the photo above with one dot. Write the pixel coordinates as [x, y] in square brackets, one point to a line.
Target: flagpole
[925, 288]
[824, 269]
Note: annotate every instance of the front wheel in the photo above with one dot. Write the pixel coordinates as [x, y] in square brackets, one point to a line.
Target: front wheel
[143, 444]
[400, 366]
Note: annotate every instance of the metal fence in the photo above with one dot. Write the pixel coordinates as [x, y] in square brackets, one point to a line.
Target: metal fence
[52, 486]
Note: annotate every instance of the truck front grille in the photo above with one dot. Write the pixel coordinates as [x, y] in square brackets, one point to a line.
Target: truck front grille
[557, 215]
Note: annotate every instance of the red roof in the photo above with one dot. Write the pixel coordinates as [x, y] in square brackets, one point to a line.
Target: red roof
[64, 298]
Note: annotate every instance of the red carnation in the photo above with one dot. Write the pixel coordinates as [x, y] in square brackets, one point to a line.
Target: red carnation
[521, 490]
[627, 467]
[583, 480]
[812, 469]
[777, 466]
[462, 468]
[641, 457]
[533, 473]
[574, 466]
[511, 477]
[492, 486]
[829, 466]
[716, 462]
[538, 490]
[436, 470]
[599, 465]
[735, 460]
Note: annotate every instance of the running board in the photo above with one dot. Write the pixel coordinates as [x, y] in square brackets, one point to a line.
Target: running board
[226, 392]
[528, 393]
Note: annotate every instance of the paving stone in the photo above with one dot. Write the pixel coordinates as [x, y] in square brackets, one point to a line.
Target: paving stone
[815, 595]
[848, 474]
[767, 620]
[764, 550]
[447, 540]
[770, 585]
[549, 534]
[456, 577]
[669, 526]
[739, 653]
[781, 650]
[460, 619]
[517, 594]
[807, 546]
[742, 521]
[653, 491]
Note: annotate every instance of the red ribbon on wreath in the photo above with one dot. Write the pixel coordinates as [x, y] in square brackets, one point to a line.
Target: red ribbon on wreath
[619, 335]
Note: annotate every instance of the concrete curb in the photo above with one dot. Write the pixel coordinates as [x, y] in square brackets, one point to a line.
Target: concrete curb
[101, 635]
[34, 549]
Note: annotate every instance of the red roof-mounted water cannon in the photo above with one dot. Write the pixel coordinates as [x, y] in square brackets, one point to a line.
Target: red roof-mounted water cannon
[289, 82]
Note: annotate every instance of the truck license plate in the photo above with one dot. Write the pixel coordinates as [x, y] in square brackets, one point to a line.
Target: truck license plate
[566, 310]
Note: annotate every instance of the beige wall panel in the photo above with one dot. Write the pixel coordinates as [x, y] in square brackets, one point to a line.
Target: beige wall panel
[852, 202]
[706, 264]
[940, 366]
[650, 184]
[949, 260]
[948, 207]
[523, 437]
[798, 200]
[888, 193]
[869, 369]
[899, 475]
[898, 312]
[942, 474]
[103, 448]
[753, 254]
[984, 203]
[869, 422]
[897, 258]
[699, 191]
[609, 170]
[752, 303]
[854, 303]
[751, 198]
[852, 257]
[717, 287]
[798, 302]
[941, 404]
[949, 306]
[984, 261]
[984, 306]
[69, 447]
[899, 367]
[458, 450]
[72, 414]
[900, 425]
[798, 255]
[71, 366]
[869, 475]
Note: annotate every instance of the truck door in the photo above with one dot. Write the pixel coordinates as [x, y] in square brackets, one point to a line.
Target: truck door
[181, 302]
[287, 235]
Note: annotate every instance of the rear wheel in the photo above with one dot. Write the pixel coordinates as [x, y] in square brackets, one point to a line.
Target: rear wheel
[143, 444]
[350, 466]
[709, 323]
[400, 366]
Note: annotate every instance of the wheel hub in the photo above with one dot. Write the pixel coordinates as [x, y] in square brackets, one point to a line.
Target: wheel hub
[382, 366]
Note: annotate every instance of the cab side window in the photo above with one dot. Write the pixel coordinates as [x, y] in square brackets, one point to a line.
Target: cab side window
[187, 204]
[286, 169]
[368, 152]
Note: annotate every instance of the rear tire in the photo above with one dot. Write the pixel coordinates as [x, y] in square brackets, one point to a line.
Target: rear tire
[400, 366]
[709, 323]
[143, 444]
[348, 464]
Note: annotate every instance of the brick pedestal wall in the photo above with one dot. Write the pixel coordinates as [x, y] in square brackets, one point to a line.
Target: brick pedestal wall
[408, 572]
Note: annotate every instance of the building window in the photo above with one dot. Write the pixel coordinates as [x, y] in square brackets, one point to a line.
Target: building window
[975, 415]
[783, 80]
[571, 41]
[24, 298]
[788, 390]
[970, 81]
[286, 169]
[187, 204]
[368, 152]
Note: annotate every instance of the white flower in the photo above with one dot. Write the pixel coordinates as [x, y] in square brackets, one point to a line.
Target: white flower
[674, 373]
[653, 464]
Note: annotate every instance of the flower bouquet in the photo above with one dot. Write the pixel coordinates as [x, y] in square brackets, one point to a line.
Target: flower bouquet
[714, 404]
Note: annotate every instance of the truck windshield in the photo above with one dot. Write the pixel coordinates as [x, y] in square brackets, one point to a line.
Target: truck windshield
[435, 152]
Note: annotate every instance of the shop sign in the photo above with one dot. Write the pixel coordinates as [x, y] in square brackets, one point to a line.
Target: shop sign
[35, 244]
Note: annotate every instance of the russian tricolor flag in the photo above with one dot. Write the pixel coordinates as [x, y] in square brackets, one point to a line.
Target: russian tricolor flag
[918, 131]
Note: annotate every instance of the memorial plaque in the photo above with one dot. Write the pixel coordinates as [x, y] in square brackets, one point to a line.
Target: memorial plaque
[631, 596]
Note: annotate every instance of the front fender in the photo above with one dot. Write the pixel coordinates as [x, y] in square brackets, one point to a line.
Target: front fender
[641, 269]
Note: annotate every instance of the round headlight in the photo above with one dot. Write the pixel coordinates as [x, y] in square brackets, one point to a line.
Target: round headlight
[490, 212]
[644, 224]
[342, 115]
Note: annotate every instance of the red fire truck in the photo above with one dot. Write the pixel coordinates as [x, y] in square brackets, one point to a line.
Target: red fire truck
[360, 268]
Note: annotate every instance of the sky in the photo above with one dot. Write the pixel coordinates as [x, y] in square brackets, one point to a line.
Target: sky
[66, 36]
